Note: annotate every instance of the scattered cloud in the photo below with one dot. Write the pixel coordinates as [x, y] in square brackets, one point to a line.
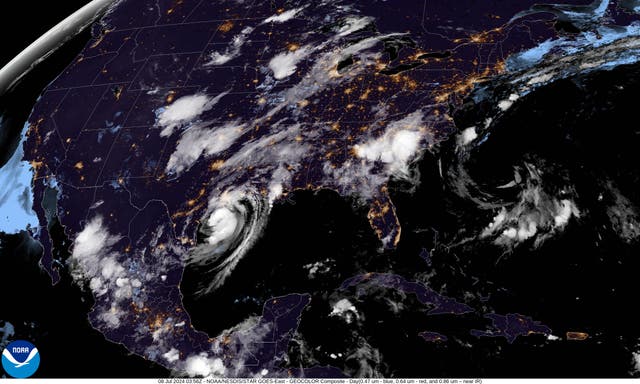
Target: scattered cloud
[537, 214]
[203, 366]
[623, 214]
[467, 136]
[354, 24]
[172, 356]
[319, 267]
[91, 250]
[344, 309]
[364, 361]
[232, 51]
[94, 261]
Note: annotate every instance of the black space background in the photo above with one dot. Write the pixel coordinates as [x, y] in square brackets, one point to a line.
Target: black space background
[26, 21]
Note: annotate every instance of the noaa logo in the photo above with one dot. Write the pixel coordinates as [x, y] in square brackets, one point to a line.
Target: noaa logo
[20, 359]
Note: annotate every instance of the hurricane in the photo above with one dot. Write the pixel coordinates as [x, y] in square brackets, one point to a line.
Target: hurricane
[233, 222]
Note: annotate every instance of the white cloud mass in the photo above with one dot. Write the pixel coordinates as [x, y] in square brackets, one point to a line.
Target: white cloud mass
[197, 141]
[284, 16]
[285, 64]
[397, 146]
[184, 110]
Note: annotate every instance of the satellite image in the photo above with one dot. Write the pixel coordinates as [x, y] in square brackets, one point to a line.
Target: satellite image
[321, 189]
